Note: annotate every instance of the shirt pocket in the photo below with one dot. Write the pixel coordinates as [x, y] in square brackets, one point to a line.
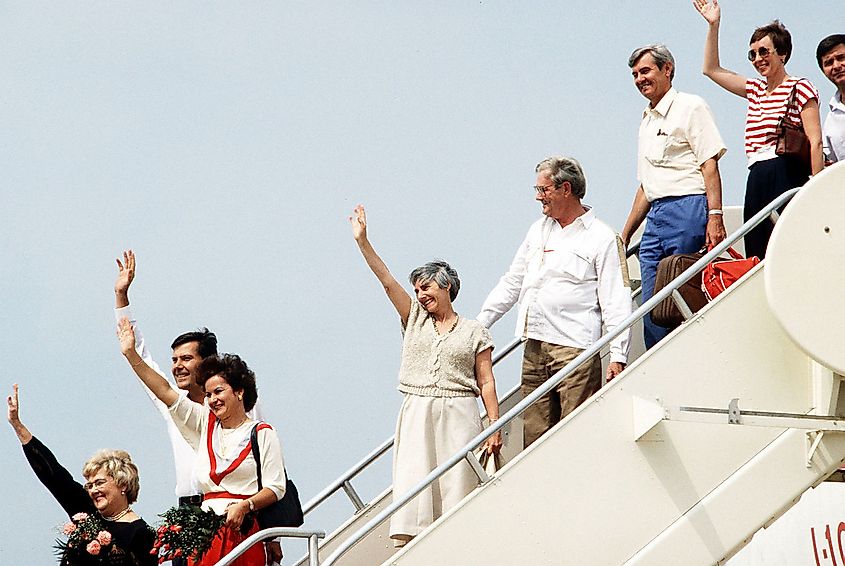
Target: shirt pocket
[568, 264]
[665, 149]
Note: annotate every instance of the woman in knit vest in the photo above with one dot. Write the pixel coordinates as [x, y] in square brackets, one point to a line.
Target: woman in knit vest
[446, 364]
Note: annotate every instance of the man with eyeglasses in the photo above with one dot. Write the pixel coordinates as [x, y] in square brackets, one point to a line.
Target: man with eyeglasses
[570, 278]
[680, 191]
[830, 55]
[188, 350]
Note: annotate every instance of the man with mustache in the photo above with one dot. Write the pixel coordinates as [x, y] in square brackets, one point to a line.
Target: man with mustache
[680, 191]
[831, 57]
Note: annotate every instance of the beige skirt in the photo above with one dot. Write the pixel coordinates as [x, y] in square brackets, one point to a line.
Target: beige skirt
[428, 432]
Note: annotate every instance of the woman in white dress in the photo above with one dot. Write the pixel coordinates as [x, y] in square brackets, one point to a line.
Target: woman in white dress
[446, 364]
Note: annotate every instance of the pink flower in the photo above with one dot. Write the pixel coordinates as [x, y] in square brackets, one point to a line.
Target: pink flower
[93, 548]
[104, 538]
[68, 528]
[80, 517]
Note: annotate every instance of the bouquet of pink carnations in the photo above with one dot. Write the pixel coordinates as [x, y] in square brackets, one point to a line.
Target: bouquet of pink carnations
[89, 543]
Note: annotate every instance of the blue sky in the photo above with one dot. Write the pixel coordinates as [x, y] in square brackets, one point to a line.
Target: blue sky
[226, 143]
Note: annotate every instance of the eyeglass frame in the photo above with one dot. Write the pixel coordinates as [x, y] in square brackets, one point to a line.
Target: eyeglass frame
[762, 53]
[542, 190]
[97, 483]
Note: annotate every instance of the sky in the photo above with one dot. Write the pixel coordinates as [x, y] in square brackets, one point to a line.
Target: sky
[227, 142]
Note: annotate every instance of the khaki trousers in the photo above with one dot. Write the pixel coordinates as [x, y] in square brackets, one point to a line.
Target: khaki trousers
[542, 360]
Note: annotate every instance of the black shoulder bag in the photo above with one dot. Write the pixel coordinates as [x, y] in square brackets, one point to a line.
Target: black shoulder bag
[285, 512]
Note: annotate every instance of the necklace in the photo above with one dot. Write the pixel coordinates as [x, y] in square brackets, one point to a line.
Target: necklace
[119, 515]
[225, 432]
[454, 324]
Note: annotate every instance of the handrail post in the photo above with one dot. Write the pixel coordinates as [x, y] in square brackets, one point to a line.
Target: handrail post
[353, 496]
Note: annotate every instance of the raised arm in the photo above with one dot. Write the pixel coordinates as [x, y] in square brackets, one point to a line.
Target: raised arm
[151, 378]
[71, 495]
[13, 416]
[398, 296]
[712, 68]
[125, 275]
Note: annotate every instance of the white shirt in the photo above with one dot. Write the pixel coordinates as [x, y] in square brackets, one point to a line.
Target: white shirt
[223, 463]
[834, 130]
[568, 281]
[183, 454]
[675, 138]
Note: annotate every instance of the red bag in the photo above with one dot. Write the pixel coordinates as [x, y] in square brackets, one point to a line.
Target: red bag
[722, 273]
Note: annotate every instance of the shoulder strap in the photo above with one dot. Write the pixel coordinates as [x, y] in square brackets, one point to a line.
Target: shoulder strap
[253, 440]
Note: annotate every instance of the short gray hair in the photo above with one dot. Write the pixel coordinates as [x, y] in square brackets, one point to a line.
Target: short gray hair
[441, 273]
[659, 52]
[560, 169]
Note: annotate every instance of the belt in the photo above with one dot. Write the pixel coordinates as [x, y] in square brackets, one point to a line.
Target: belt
[223, 495]
[190, 500]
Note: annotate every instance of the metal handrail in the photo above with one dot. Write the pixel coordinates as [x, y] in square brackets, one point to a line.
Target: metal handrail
[343, 481]
[312, 536]
[553, 381]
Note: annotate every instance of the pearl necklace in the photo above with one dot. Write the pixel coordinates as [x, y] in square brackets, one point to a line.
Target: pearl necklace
[450, 330]
[119, 515]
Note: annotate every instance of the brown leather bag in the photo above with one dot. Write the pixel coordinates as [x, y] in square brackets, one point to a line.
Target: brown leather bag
[792, 141]
[666, 313]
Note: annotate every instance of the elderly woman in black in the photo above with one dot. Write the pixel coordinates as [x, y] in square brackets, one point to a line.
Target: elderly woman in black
[111, 486]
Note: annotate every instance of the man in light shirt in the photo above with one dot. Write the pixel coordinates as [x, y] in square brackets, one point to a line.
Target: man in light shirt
[568, 279]
[680, 191]
[188, 350]
[831, 57]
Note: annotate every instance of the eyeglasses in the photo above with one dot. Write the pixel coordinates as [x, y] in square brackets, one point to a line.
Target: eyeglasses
[98, 483]
[762, 52]
[541, 190]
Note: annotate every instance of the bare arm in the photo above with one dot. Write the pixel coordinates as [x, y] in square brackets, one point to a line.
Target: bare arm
[712, 68]
[14, 419]
[713, 189]
[813, 128]
[639, 210]
[151, 378]
[487, 384]
[398, 296]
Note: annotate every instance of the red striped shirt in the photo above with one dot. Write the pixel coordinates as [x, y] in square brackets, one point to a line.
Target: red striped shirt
[765, 110]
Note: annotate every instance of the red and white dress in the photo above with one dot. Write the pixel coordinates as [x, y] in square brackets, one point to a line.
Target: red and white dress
[224, 470]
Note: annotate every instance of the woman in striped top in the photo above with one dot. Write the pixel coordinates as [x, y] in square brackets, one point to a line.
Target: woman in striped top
[768, 97]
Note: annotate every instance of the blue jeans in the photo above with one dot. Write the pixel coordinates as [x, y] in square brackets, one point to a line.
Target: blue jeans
[675, 225]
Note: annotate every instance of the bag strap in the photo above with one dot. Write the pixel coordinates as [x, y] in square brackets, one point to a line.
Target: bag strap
[253, 439]
[791, 102]
[731, 251]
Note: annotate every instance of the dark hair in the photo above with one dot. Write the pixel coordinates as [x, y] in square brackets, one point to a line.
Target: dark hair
[781, 38]
[205, 339]
[827, 44]
[236, 373]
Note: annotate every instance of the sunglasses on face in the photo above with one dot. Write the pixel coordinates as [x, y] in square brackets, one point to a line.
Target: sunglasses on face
[762, 52]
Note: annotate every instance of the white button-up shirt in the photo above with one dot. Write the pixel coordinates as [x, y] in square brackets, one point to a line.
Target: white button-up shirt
[568, 281]
[834, 130]
[676, 137]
